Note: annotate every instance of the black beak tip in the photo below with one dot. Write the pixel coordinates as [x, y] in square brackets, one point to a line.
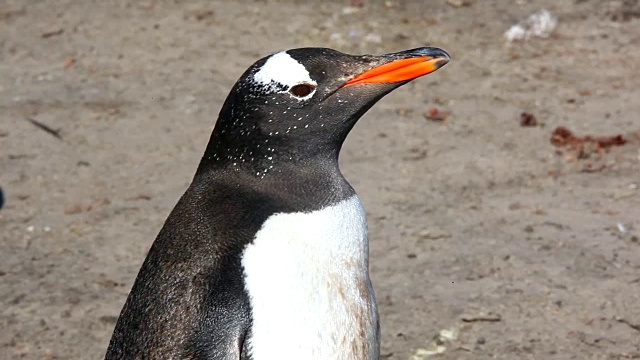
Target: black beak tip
[434, 52]
[442, 62]
[429, 51]
[442, 57]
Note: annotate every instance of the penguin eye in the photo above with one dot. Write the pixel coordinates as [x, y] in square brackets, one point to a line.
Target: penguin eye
[302, 90]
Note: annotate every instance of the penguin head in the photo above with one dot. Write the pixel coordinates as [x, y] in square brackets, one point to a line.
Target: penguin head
[300, 104]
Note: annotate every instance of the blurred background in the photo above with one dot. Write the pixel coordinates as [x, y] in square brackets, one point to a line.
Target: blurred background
[502, 191]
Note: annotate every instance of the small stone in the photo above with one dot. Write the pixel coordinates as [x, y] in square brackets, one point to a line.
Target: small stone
[427, 234]
[515, 206]
[528, 120]
[74, 209]
[459, 3]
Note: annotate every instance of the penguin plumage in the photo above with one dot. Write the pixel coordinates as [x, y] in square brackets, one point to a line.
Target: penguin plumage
[265, 256]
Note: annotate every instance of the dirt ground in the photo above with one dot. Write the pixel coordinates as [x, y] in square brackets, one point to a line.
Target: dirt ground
[487, 241]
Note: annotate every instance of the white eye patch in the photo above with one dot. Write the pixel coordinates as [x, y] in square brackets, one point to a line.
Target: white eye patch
[282, 69]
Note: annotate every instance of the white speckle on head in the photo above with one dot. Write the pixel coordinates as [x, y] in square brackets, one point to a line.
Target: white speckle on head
[329, 310]
[282, 69]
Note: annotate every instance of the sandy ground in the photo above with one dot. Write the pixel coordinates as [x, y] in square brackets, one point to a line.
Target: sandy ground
[479, 226]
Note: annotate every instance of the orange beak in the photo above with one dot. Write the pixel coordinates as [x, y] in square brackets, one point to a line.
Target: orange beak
[411, 64]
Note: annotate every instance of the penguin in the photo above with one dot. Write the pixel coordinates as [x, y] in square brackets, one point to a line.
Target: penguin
[266, 256]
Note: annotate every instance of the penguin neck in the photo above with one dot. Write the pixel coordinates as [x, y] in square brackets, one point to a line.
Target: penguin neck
[264, 155]
[302, 177]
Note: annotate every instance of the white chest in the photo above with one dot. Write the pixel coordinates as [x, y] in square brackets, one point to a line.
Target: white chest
[308, 282]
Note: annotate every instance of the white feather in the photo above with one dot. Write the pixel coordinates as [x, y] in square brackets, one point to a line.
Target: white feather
[281, 68]
[308, 282]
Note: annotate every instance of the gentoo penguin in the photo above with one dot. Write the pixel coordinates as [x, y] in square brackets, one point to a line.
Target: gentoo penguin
[266, 254]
